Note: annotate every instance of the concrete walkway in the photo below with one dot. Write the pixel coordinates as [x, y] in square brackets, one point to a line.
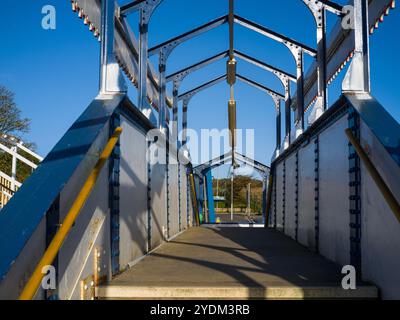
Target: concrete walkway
[232, 263]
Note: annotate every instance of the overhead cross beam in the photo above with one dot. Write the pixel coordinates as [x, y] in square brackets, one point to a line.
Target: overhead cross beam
[191, 93]
[223, 159]
[297, 50]
[277, 97]
[264, 65]
[179, 75]
[172, 43]
[332, 7]
[274, 35]
[261, 87]
[131, 7]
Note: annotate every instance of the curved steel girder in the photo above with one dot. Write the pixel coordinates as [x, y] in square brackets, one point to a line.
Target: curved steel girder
[274, 35]
[167, 46]
[139, 4]
[275, 95]
[132, 7]
[188, 95]
[147, 8]
[226, 158]
[278, 72]
[181, 74]
[282, 75]
[315, 5]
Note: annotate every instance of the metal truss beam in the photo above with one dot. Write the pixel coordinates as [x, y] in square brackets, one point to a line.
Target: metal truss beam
[181, 74]
[172, 43]
[274, 35]
[332, 7]
[131, 7]
[226, 158]
[191, 93]
[261, 87]
[340, 50]
[264, 66]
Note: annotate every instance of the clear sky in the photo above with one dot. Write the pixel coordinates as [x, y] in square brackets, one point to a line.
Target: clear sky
[54, 73]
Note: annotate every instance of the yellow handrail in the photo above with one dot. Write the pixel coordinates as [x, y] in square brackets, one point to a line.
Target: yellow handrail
[380, 183]
[51, 252]
[269, 199]
[194, 199]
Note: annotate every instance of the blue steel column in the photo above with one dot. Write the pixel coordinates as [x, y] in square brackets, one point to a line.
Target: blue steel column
[355, 194]
[114, 171]
[296, 207]
[316, 192]
[210, 196]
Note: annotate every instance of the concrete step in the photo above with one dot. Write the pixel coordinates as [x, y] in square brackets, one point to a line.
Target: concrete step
[116, 292]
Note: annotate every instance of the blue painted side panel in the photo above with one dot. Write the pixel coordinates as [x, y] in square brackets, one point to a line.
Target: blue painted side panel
[21, 216]
[210, 197]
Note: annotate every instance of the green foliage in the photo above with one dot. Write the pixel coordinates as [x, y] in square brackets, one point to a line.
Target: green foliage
[12, 124]
[240, 192]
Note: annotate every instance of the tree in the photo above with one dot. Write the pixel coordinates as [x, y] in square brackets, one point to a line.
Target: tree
[11, 122]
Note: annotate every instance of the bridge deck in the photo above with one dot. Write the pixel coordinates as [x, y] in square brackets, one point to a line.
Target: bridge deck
[232, 263]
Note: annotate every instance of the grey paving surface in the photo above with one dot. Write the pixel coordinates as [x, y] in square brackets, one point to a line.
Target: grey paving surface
[234, 257]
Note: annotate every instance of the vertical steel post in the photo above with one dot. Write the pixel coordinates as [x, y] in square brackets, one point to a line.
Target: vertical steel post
[162, 86]
[318, 10]
[357, 78]
[143, 48]
[111, 80]
[175, 111]
[13, 168]
[264, 202]
[288, 115]
[321, 58]
[299, 121]
[278, 126]
[184, 121]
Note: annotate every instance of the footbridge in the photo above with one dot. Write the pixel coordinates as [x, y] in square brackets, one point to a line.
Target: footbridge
[99, 219]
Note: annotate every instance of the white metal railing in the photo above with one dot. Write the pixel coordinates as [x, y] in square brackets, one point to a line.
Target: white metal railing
[9, 184]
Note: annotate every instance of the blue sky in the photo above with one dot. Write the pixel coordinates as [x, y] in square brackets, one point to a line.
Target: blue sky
[54, 73]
